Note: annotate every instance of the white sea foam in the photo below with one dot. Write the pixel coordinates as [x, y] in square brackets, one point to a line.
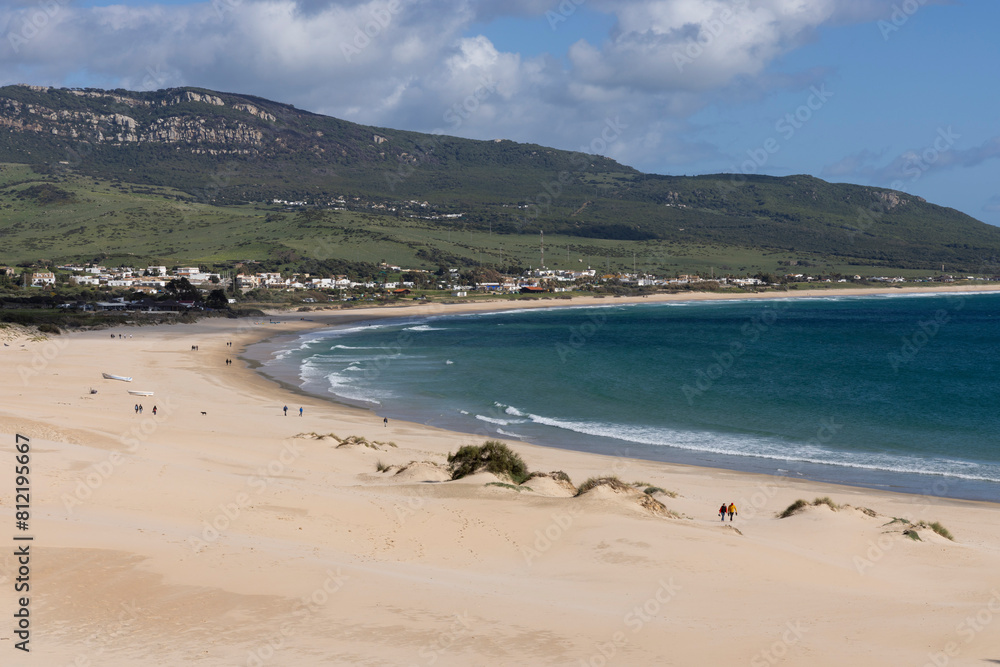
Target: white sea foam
[344, 387]
[757, 447]
[493, 420]
[425, 327]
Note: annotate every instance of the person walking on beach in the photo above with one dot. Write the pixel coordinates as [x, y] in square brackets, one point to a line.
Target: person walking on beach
[732, 511]
[136, 408]
[154, 410]
[140, 408]
[385, 422]
[723, 510]
[286, 410]
[300, 412]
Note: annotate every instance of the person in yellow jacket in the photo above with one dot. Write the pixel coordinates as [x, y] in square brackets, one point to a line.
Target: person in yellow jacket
[732, 511]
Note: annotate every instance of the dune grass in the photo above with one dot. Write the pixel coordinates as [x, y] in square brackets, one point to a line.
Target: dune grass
[380, 466]
[594, 482]
[801, 504]
[940, 530]
[557, 475]
[825, 500]
[504, 485]
[794, 508]
[492, 456]
[650, 489]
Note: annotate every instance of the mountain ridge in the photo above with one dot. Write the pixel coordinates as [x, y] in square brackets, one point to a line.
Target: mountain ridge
[231, 149]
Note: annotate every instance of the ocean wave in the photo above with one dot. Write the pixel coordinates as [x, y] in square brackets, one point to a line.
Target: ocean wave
[493, 420]
[425, 327]
[344, 388]
[499, 421]
[757, 447]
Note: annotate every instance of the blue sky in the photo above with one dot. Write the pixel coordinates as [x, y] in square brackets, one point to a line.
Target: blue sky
[894, 93]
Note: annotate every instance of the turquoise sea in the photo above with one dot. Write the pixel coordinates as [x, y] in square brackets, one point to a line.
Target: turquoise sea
[897, 392]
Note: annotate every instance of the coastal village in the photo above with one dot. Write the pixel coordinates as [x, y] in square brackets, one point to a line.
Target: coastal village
[400, 282]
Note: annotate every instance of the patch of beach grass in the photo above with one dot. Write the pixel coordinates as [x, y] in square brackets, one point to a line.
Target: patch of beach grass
[825, 500]
[380, 466]
[557, 475]
[492, 456]
[650, 489]
[504, 485]
[593, 482]
[794, 508]
[940, 530]
[801, 504]
[913, 535]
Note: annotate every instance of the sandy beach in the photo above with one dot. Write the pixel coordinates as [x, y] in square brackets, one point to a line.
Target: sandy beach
[223, 532]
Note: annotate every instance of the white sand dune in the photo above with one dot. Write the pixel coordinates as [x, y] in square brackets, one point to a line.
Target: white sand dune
[224, 539]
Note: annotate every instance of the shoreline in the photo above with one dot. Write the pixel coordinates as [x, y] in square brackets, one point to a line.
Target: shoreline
[250, 534]
[915, 484]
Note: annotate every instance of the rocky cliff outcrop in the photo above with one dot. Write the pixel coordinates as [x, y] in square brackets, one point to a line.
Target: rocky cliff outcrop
[117, 128]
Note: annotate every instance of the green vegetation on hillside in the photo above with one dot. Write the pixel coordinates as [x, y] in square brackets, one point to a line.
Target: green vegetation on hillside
[192, 175]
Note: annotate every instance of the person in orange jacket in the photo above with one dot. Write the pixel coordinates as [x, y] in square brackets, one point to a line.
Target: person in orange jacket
[732, 511]
[723, 510]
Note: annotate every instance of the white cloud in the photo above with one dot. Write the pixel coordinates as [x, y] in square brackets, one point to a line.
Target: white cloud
[938, 155]
[411, 64]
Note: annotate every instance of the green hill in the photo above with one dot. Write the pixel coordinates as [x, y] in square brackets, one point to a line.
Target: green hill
[192, 175]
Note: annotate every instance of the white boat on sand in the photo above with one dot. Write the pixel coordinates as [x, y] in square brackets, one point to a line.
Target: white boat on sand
[109, 376]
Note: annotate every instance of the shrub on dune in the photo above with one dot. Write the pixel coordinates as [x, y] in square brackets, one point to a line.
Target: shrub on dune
[492, 456]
